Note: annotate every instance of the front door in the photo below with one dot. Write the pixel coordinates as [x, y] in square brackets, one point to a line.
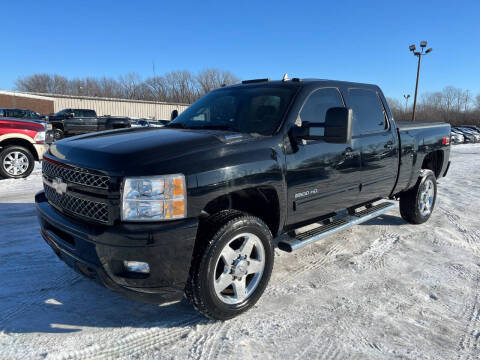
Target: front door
[321, 177]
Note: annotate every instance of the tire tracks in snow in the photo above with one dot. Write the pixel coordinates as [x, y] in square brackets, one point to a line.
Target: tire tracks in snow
[469, 345]
[471, 236]
[38, 294]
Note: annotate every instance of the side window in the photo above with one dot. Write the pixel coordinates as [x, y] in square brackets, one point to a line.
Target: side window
[1, 113]
[368, 112]
[315, 108]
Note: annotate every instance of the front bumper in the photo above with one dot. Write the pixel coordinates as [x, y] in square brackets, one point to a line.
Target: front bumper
[98, 252]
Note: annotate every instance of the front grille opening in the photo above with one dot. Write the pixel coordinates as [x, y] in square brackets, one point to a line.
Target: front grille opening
[62, 235]
[75, 175]
[92, 210]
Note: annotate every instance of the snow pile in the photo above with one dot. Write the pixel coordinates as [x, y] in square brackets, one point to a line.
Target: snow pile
[384, 289]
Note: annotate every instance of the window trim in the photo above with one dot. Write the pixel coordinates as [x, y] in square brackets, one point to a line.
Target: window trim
[314, 91]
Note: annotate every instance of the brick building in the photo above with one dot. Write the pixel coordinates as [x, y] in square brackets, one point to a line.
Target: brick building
[51, 103]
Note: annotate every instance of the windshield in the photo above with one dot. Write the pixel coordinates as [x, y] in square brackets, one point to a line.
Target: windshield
[255, 110]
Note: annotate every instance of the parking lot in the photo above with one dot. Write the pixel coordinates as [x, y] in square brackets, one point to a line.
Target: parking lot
[384, 289]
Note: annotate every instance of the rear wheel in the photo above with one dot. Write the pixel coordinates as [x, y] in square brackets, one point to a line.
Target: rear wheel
[58, 134]
[417, 204]
[230, 271]
[16, 162]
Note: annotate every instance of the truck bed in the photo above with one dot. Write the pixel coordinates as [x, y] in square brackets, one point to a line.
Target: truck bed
[417, 140]
[409, 125]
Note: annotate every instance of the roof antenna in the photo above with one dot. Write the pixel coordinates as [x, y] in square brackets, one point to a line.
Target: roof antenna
[285, 77]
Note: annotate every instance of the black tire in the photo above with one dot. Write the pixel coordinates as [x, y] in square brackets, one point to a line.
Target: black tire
[6, 154]
[213, 238]
[410, 201]
[58, 134]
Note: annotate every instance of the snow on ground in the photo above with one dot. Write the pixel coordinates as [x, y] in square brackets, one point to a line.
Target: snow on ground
[384, 289]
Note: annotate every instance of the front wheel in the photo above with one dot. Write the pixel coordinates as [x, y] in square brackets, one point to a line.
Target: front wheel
[417, 204]
[230, 271]
[16, 162]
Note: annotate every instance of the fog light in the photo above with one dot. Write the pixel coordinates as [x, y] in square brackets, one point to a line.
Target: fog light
[136, 266]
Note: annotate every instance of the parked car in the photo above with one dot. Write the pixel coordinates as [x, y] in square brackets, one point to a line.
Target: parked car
[21, 114]
[474, 127]
[457, 138]
[140, 123]
[193, 207]
[468, 138]
[469, 134]
[159, 123]
[70, 122]
[22, 142]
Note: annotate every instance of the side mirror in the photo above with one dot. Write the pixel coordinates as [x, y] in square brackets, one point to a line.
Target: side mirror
[174, 114]
[337, 127]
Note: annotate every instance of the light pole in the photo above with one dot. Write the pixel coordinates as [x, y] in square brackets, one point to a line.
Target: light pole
[423, 45]
[406, 103]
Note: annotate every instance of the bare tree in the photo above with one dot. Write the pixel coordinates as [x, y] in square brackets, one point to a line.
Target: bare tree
[43, 83]
[210, 79]
[130, 83]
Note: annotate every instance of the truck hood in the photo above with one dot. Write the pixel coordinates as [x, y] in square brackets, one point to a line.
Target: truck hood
[124, 150]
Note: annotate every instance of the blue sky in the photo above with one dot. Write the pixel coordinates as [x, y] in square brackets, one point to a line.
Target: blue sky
[365, 41]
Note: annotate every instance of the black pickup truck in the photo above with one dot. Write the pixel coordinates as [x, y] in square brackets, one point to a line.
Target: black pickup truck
[68, 122]
[197, 207]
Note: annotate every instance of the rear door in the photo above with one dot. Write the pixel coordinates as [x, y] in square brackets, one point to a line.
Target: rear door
[321, 177]
[377, 142]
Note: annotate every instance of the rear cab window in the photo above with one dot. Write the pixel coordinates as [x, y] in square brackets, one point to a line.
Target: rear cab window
[368, 111]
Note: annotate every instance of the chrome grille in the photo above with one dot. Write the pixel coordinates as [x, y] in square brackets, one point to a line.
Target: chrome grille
[75, 175]
[92, 210]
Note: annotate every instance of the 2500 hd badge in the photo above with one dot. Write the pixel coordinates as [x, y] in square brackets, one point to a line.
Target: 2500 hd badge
[306, 193]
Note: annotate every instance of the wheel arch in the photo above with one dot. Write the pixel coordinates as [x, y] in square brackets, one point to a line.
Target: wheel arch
[434, 161]
[261, 201]
[19, 141]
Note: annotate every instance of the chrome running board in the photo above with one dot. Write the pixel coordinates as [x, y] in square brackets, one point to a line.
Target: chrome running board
[292, 243]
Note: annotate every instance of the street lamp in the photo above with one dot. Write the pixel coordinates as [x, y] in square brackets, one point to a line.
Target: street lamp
[406, 102]
[423, 45]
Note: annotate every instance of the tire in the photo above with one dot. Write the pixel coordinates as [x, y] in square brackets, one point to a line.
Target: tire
[16, 162]
[218, 275]
[58, 134]
[417, 204]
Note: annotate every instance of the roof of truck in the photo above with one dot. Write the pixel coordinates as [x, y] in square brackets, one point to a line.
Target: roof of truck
[295, 82]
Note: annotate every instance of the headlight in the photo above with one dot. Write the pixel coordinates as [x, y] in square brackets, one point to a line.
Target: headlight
[154, 198]
[40, 137]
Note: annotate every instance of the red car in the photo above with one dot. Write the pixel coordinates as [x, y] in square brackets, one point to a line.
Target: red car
[22, 142]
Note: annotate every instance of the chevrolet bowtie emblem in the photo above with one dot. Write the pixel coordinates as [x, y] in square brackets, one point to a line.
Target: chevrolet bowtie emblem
[59, 186]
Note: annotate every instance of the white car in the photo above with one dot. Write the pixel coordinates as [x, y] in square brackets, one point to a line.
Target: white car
[457, 138]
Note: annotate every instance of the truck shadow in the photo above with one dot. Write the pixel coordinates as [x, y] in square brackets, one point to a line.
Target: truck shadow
[385, 220]
[40, 294]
